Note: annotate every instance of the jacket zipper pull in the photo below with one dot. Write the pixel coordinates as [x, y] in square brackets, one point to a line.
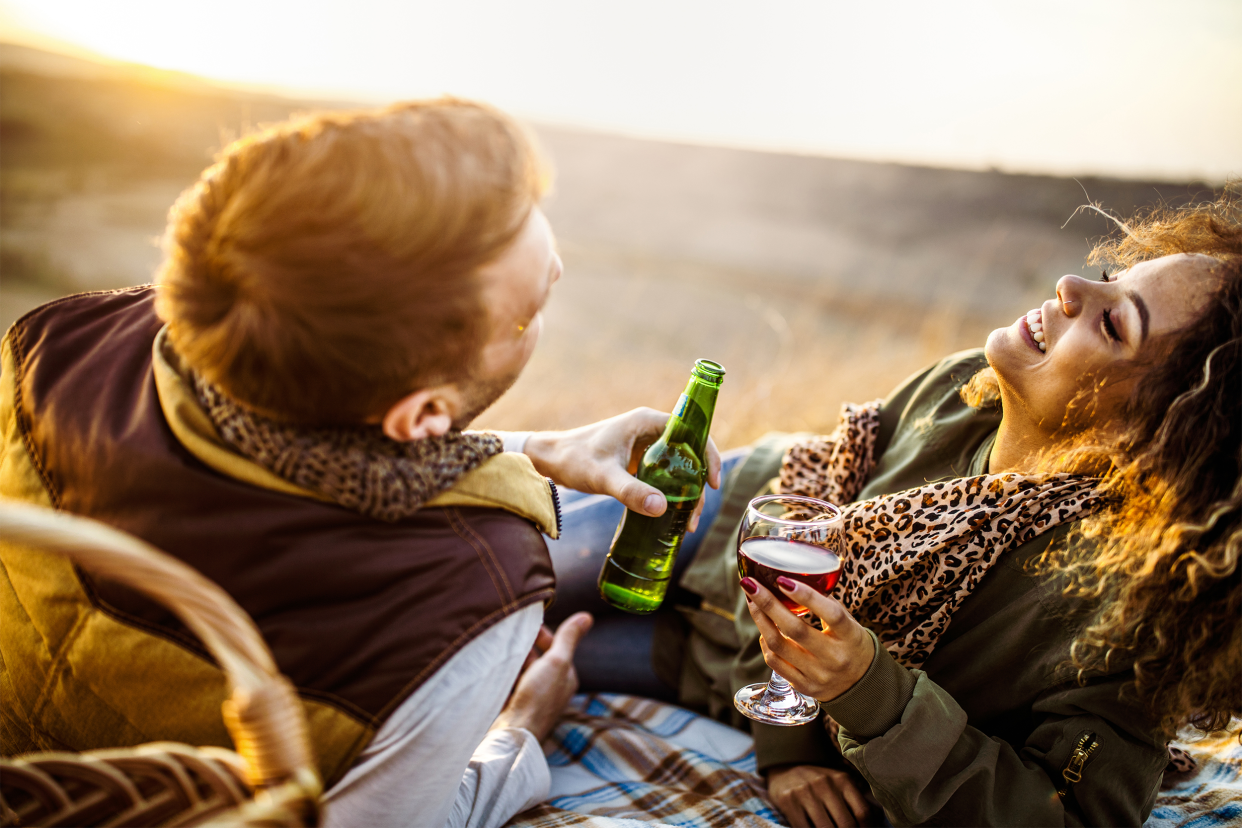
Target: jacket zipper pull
[1072, 772]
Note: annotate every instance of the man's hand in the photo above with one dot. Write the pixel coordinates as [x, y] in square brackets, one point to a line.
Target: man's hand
[602, 458]
[823, 665]
[547, 680]
[812, 796]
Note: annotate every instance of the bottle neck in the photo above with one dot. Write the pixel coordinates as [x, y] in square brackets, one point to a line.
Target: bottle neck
[692, 417]
[704, 394]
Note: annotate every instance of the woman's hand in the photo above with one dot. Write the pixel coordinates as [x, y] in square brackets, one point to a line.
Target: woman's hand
[602, 458]
[822, 665]
[813, 796]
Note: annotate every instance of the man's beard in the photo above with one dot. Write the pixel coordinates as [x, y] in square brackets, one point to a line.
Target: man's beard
[481, 395]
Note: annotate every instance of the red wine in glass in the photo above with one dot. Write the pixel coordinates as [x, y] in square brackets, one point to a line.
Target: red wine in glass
[766, 559]
[800, 538]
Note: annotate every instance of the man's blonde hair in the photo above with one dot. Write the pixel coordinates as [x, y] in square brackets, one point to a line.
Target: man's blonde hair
[324, 268]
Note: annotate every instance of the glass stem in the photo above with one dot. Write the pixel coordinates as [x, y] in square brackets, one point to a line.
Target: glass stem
[778, 688]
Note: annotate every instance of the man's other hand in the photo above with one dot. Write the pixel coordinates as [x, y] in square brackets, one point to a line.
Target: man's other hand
[812, 796]
[602, 458]
[547, 680]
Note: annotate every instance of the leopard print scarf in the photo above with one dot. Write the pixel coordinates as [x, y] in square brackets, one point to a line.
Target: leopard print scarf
[355, 466]
[911, 558]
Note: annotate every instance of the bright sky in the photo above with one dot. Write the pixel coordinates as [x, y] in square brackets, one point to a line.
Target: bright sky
[1124, 87]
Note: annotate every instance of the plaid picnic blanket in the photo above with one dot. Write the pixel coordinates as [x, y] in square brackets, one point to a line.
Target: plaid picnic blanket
[626, 762]
[1210, 796]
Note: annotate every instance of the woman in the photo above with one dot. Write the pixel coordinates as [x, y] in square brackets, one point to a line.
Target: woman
[1043, 668]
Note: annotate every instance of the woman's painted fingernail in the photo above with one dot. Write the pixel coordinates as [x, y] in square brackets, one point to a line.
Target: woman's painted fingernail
[785, 584]
[749, 585]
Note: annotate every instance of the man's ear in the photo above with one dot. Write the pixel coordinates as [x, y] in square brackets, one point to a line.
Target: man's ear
[428, 412]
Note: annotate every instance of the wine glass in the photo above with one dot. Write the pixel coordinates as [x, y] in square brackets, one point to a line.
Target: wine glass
[798, 538]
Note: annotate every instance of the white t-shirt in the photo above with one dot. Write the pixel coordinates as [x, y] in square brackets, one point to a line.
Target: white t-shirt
[434, 762]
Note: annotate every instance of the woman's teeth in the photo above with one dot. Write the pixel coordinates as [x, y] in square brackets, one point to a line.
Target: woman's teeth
[1035, 324]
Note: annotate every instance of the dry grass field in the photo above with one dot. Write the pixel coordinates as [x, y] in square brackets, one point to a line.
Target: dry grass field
[813, 280]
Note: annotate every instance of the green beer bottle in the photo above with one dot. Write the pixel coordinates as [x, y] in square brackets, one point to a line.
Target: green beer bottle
[637, 570]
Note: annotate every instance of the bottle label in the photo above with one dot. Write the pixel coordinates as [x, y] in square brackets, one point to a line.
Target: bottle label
[683, 402]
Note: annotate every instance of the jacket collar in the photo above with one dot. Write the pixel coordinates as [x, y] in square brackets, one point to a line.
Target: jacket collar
[505, 481]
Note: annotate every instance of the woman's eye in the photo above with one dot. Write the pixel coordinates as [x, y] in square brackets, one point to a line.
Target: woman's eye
[1110, 330]
[1103, 275]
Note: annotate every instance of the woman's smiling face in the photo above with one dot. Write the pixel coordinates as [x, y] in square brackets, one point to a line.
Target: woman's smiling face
[1091, 333]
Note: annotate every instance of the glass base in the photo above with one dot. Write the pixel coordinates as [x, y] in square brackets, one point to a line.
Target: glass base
[776, 703]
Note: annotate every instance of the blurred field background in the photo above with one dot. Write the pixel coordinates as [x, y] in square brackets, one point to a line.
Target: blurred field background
[814, 281]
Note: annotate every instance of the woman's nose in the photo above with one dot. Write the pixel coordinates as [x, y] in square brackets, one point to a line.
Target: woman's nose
[558, 268]
[1070, 293]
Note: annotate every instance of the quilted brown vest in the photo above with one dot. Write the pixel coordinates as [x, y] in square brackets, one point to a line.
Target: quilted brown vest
[358, 612]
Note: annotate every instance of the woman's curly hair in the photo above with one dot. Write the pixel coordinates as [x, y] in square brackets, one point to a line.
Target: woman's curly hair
[1162, 564]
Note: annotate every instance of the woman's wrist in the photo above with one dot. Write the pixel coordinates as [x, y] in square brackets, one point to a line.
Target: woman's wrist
[876, 701]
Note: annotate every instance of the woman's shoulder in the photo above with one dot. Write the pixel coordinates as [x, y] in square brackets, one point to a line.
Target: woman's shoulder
[937, 383]
[927, 431]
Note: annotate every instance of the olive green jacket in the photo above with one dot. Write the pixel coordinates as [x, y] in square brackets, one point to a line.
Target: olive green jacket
[980, 736]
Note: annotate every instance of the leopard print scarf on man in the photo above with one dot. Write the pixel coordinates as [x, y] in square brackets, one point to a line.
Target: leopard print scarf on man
[911, 558]
[355, 466]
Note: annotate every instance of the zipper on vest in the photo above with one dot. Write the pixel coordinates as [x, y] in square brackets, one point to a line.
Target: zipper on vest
[556, 505]
[1078, 758]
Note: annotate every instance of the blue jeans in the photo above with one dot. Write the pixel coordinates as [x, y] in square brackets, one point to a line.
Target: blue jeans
[616, 656]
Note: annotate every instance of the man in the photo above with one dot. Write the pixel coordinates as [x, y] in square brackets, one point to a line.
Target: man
[341, 295]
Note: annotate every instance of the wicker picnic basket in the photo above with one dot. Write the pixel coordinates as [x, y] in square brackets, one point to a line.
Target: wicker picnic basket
[269, 781]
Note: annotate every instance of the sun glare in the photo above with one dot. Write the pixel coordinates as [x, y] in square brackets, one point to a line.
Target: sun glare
[1128, 88]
